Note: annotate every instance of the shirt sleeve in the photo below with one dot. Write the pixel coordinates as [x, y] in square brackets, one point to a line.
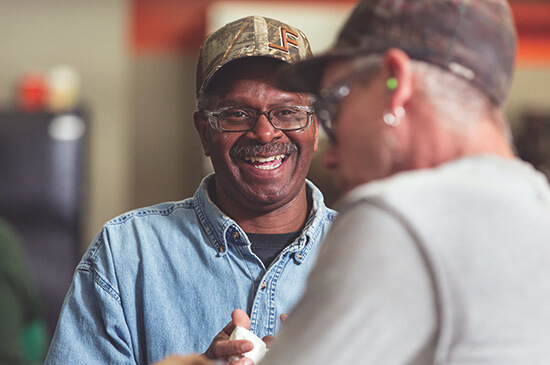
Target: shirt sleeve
[92, 328]
[369, 299]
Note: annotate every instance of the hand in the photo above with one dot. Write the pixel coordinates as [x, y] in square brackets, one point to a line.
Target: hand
[185, 360]
[222, 348]
[270, 339]
[200, 360]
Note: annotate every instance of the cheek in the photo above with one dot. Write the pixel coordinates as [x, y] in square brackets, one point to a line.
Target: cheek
[350, 129]
[221, 143]
[358, 136]
[305, 139]
[219, 146]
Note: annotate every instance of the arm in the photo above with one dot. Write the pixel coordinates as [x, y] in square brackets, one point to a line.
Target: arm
[369, 299]
[186, 360]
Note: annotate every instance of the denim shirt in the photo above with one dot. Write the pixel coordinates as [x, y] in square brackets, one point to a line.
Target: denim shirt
[164, 280]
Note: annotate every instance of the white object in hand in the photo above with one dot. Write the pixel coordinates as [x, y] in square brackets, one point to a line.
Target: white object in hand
[259, 350]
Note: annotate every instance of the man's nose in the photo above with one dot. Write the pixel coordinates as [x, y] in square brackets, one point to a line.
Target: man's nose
[264, 131]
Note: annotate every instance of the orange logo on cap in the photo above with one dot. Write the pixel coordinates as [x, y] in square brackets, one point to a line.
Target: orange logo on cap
[285, 40]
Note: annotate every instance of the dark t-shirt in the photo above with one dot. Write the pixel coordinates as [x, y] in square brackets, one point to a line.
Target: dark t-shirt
[268, 246]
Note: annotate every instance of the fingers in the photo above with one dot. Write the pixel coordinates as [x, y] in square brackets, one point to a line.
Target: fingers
[268, 340]
[222, 336]
[225, 349]
[228, 329]
[222, 348]
[186, 360]
[240, 318]
[239, 361]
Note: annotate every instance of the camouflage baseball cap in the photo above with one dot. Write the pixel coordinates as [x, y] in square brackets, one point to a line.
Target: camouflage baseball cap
[248, 37]
[474, 39]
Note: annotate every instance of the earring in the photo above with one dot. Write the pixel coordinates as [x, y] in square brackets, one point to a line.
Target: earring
[393, 119]
[391, 83]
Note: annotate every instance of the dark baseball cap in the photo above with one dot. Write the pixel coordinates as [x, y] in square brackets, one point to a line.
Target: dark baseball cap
[251, 36]
[474, 39]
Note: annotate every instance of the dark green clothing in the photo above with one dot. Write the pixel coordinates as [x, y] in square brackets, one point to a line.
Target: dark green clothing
[19, 306]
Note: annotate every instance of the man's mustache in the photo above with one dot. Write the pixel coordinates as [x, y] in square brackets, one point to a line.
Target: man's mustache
[269, 149]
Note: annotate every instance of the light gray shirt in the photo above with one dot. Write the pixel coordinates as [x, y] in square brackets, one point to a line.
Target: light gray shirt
[441, 266]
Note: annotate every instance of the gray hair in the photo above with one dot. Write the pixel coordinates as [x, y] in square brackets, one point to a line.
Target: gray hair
[203, 101]
[459, 103]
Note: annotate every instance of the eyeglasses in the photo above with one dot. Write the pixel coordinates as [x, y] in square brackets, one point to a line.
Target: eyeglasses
[326, 104]
[285, 118]
[326, 107]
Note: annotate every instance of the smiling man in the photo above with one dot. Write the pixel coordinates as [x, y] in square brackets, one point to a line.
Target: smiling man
[261, 142]
[166, 279]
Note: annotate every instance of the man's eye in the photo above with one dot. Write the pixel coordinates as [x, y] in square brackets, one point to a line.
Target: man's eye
[286, 111]
[236, 114]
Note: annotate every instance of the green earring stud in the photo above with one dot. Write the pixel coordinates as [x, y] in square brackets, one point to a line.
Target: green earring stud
[391, 83]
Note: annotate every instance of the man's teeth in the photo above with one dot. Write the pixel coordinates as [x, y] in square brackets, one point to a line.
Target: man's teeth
[263, 163]
[259, 159]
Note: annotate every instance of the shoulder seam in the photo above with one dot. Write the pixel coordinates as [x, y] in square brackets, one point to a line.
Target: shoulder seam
[99, 280]
[186, 204]
[88, 266]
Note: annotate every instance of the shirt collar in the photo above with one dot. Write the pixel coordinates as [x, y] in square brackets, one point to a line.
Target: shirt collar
[216, 223]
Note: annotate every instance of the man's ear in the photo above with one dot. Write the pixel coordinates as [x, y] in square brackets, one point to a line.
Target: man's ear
[315, 124]
[397, 64]
[201, 125]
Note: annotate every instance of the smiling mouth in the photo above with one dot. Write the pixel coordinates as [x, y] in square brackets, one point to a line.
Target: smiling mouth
[266, 163]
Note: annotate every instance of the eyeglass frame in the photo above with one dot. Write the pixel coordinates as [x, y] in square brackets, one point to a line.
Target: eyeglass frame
[326, 103]
[213, 121]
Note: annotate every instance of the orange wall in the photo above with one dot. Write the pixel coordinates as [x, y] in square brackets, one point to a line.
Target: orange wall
[533, 23]
[173, 26]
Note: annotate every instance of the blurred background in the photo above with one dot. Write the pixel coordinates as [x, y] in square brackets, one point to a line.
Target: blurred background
[96, 99]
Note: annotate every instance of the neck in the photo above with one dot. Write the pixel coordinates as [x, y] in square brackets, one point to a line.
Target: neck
[270, 218]
[434, 142]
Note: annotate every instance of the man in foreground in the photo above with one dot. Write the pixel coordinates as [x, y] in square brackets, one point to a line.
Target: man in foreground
[165, 279]
[440, 254]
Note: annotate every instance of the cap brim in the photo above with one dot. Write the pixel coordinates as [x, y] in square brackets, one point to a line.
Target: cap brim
[305, 76]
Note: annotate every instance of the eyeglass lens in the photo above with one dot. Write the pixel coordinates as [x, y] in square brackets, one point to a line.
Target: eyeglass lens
[285, 118]
[326, 108]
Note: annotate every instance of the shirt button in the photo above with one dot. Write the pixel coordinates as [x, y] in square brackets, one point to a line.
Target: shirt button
[300, 256]
[263, 286]
[221, 249]
[236, 235]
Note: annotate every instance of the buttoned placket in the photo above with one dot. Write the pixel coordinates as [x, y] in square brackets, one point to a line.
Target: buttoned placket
[262, 314]
[263, 309]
